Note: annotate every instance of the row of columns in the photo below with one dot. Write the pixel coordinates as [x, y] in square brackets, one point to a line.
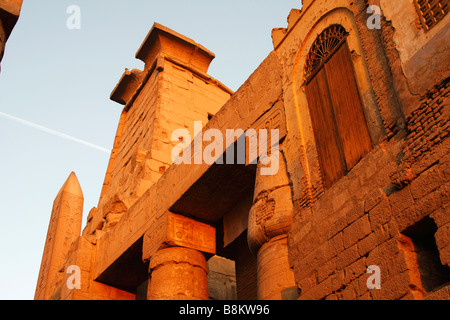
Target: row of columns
[180, 272]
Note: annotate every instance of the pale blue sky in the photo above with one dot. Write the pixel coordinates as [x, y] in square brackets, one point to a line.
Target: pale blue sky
[62, 79]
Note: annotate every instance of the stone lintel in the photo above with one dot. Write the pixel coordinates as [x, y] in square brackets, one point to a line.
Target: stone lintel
[179, 231]
[164, 41]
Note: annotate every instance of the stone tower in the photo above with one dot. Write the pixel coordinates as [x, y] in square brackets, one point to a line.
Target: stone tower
[172, 92]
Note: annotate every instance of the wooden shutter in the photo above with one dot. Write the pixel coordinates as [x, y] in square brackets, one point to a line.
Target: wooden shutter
[338, 120]
[347, 107]
[325, 130]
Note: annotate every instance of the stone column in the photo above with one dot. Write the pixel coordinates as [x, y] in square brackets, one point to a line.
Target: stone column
[275, 277]
[269, 221]
[175, 248]
[178, 274]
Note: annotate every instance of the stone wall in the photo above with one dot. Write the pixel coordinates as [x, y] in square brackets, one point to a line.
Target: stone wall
[428, 125]
[362, 220]
[391, 209]
[360, 223]
[221, 279]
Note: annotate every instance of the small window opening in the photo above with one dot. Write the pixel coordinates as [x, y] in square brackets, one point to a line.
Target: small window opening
[422, 256]
[431, 11]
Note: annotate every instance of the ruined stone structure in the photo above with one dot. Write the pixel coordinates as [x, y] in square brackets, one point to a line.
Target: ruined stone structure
[9, 14]
[361, 104]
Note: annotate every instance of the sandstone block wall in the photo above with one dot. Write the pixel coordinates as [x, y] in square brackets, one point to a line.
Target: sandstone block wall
[221, 279]
[391, 209]
[365, 219]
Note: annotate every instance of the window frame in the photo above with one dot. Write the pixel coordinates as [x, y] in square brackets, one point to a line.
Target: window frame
[311, 71]
[422, 13]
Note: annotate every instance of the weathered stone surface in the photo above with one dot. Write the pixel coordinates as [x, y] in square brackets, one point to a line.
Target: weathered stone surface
[156, 201]
[162, 40]
[177, 230]
[221, 279]
[64, 228]
[178, 274]
[274, 274]
[287, 233]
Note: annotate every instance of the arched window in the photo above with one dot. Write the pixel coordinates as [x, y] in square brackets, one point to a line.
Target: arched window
[337, 116]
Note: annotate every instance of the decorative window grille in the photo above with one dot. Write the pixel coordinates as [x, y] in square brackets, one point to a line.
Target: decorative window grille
[431, 11]
[326, 43]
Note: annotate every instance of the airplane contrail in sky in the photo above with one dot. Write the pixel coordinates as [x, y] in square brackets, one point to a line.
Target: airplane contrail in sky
[53, 132]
